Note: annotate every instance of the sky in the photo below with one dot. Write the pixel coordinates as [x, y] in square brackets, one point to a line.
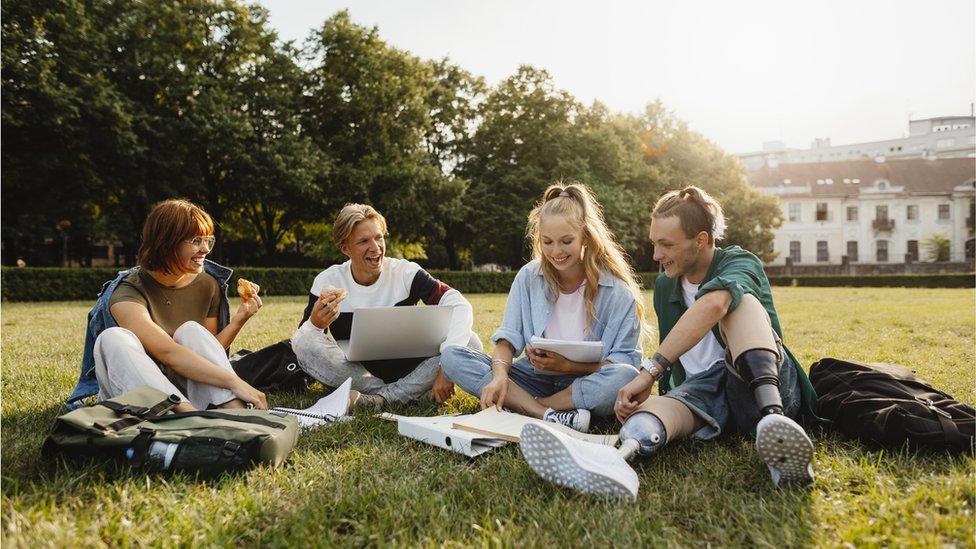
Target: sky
[740, 72]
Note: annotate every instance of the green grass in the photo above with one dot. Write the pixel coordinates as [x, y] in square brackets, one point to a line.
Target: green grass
[359, 483]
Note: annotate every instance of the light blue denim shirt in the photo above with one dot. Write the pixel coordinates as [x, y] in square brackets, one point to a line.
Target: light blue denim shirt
[530, 303]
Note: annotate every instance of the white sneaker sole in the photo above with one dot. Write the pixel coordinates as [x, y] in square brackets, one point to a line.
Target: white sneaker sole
[551, 456]
[786, 449]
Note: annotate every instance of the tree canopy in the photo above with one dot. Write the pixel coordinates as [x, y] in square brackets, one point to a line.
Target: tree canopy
[109, 106]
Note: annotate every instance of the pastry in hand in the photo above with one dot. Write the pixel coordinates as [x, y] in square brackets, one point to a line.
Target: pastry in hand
[330, 290]
[247, 289]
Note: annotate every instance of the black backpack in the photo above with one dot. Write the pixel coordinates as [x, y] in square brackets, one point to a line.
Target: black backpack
[886, 404]
[274, 367]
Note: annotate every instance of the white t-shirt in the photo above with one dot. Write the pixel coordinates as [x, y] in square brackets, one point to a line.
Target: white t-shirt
[401, 282]
[706, 352]
[567, 321]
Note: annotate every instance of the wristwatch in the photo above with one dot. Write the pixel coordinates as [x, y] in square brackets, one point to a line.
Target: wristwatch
[656, 366]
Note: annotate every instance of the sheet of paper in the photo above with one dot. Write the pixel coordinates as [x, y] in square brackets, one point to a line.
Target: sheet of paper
[577, 351]
[508, 426]
[330, 408]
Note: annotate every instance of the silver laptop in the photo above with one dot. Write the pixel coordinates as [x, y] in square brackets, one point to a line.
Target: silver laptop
[380, 333]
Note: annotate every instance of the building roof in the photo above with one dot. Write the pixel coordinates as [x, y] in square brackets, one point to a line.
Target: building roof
[845, 178]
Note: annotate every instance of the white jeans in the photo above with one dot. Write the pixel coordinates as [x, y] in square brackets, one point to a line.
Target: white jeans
[122, 364]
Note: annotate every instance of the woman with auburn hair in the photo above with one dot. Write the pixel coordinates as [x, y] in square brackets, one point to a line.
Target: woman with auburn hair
[166, 323]
[578, 287]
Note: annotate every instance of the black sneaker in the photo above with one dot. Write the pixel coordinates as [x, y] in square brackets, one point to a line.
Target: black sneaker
[578, 419]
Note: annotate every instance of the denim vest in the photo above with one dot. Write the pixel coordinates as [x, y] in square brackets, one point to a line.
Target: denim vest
[530, 303]
[99, 319]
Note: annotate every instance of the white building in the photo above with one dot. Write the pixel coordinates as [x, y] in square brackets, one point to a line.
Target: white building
[871, 211]
[945, 137]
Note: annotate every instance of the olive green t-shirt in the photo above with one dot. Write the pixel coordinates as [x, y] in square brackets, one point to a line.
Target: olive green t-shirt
[169, 308]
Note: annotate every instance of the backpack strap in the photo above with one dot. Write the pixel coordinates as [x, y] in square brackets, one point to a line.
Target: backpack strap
[140, 446]
[255, 420]
[140, 413]
[953, 437]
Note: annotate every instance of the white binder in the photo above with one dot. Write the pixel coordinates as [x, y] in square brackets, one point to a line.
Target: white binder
[438, 431]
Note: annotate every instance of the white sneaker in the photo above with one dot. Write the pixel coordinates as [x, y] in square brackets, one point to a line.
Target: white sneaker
[590, 468]
[786, 449]
[574, 419]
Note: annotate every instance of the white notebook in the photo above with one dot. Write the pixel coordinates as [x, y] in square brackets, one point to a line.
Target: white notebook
[577, 351]
[330, 408]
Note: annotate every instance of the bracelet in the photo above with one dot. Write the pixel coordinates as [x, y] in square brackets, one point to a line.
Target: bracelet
[500, 361]
[663, 362]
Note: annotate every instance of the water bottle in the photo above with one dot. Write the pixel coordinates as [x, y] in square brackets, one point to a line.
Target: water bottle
[159, 455]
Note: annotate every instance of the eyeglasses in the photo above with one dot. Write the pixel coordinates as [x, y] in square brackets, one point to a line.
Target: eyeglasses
[200, 240]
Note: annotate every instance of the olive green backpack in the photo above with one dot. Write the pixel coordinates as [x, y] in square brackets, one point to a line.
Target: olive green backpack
[140, 428]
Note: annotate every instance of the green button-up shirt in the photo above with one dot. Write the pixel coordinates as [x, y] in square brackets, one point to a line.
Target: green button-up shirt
[738, 272]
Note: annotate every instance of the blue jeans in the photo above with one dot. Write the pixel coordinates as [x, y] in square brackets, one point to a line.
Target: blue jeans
[724, 401]
[596, 392]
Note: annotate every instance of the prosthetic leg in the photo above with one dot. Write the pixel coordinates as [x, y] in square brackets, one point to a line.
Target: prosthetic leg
[754, 355]
[600, 469]
[658, 421]
[759, 369]
[641, 435]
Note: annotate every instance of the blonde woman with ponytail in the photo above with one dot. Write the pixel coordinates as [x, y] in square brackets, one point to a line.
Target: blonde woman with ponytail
[578, 287]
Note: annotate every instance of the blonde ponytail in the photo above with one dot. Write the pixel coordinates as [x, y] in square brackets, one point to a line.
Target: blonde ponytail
[577, 204]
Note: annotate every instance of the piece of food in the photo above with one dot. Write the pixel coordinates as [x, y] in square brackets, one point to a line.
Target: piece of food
[247, 289]
[330, 290]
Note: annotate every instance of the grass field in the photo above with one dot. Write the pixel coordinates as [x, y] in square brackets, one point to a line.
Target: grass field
[359, 483]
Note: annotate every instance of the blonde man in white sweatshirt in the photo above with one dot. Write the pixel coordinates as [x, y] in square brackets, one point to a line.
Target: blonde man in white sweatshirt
[370, 279]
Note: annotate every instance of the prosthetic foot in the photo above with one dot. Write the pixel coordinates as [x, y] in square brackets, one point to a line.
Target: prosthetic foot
[786, 449]
[586, 467]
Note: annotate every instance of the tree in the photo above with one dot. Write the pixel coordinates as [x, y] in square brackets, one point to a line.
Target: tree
[519, 148]
[366, 107]
[681, 157]
[937, 247]
[67, 131]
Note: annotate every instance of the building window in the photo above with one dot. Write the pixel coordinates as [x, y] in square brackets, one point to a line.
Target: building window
[794, 211]
[945, 143]
[882, 251]
[943, 212]
[913, 250]
[822, 255]
[821, 211]
[852, 213]
[881, 213]
[911, 212]
[852, 251]
[795, 251]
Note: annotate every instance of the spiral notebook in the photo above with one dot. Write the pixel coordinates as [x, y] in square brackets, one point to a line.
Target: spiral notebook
[330, 408]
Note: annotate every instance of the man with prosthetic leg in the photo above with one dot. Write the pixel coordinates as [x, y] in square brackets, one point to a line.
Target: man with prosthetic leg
[721, 365]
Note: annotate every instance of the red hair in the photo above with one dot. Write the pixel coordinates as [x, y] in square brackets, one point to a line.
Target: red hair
[169, 224]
